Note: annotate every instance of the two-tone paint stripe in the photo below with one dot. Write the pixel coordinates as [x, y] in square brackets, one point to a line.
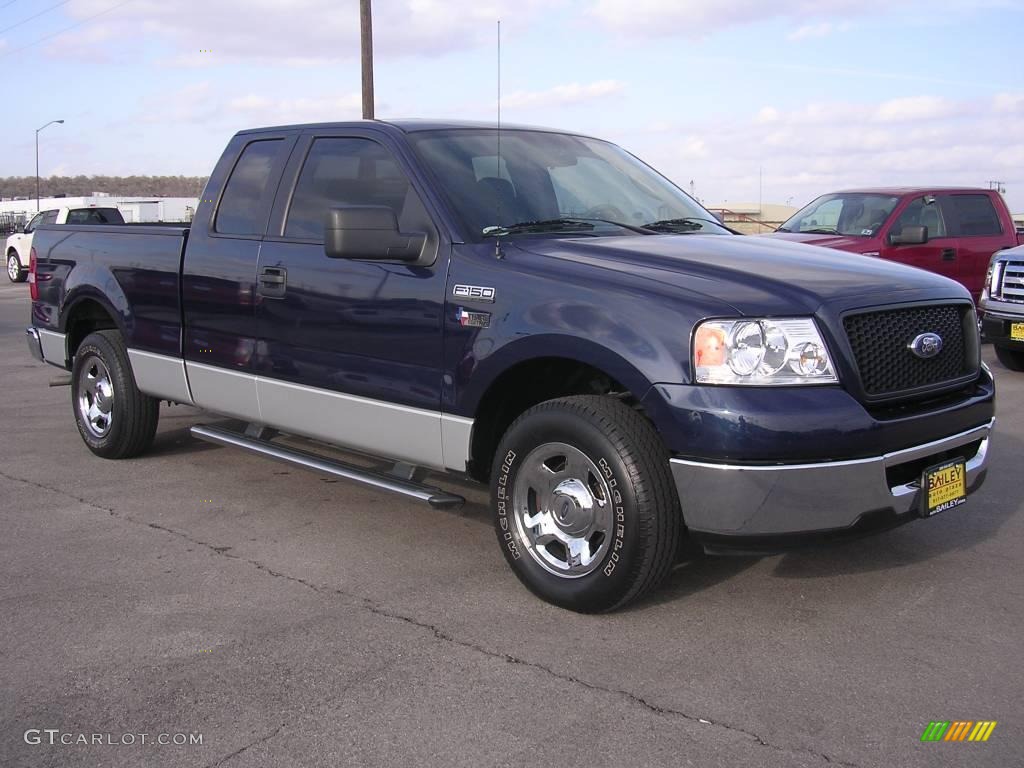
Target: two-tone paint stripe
[958, 730]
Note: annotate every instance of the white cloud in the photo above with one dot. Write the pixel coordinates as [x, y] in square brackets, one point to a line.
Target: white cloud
[260, 110]
[571, 93]
[822, 147]
[1009, 103]
[821, 29]
[915, 108]
[696, 18]
[299, 31]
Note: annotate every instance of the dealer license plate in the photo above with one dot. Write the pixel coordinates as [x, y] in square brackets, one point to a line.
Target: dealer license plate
[1017, 331]
[945, 487]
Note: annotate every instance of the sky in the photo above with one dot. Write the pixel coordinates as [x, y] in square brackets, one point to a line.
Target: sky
[773, 100]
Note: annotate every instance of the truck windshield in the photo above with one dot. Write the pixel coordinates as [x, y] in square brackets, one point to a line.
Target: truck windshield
[557, 183]
[849, 213]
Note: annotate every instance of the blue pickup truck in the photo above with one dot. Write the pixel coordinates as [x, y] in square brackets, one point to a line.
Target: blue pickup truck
[539, 311]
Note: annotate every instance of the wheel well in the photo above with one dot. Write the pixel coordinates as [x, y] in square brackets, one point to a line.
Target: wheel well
[86, 316]
[524, 386]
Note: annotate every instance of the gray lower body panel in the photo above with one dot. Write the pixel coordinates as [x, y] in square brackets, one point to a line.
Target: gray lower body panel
[160, 376]
[746, 500]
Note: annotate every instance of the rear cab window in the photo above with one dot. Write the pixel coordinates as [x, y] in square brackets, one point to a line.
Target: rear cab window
[95, 216]
[248, 191]
[974, 215]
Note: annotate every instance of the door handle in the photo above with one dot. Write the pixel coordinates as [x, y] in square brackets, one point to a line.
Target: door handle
[273, 276]
[272, 281]
[948, 254]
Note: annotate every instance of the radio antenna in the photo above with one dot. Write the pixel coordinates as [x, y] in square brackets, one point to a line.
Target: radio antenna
[497, 240]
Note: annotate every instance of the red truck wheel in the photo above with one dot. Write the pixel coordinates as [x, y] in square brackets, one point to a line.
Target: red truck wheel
[115, 420]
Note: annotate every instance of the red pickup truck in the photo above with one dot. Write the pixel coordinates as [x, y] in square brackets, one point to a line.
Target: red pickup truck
[947, 230]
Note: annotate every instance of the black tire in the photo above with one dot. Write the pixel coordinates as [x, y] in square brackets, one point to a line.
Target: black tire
[22, 274]
[130, 417]
[1011, 358]
[621, 445]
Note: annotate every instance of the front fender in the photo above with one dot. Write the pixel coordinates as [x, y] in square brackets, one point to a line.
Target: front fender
[490, 368]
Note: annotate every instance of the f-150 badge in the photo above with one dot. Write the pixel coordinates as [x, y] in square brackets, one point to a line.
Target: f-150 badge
[477, 292]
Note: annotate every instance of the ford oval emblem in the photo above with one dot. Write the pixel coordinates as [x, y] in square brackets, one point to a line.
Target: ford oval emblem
[926, 345]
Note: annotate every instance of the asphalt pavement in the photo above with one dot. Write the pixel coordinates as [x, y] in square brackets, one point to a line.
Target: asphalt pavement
[284, 619]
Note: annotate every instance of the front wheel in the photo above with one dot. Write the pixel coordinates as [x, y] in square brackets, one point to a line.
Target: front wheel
[15, 273]
[586, 512]
[1011, 358]
[116, 421]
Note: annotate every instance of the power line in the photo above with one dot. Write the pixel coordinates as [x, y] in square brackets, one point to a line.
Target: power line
[66, 29]
[41, 13]
[12, 2]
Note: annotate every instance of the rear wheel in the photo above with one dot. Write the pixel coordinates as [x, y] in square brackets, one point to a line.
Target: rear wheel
[586, 512]
[15, 273]
[115, 420]
[1011, 358]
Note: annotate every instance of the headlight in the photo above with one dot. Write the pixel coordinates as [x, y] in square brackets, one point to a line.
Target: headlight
[771, 352]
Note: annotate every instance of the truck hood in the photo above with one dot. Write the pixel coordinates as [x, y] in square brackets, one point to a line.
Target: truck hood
[842, 242]
[754, 275]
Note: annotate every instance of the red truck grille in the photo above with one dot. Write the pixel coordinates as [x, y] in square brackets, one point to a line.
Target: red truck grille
[888, 369]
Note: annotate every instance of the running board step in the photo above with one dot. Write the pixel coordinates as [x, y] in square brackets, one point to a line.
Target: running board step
[433, 496]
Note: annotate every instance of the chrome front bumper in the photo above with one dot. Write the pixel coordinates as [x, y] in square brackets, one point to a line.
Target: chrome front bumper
[747, 500]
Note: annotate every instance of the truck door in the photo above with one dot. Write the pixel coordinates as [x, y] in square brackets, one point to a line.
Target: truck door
[976, 224]
[219, 274]
[350, 351]
[940, 253]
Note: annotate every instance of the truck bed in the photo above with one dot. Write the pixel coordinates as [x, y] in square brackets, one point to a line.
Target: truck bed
[132, 270]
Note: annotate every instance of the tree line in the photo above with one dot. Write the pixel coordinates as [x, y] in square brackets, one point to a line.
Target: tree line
[82, 186]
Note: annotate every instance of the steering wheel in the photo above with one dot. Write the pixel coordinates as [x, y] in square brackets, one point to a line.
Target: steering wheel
[609, 212]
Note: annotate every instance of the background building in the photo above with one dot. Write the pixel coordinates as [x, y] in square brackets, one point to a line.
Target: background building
[134, 209]
[751, 218]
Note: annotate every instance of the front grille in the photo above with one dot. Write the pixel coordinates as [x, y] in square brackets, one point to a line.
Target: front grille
[886, 365]
[1011, 281]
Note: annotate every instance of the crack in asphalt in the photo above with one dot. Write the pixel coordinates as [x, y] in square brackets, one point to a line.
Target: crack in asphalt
[248, 746]
[378, 609]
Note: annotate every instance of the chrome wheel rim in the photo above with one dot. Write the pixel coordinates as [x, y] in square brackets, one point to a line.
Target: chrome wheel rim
[563, 510]
[13, 267]
[95, 397]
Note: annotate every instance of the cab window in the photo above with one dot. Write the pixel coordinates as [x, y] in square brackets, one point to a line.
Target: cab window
[975, 215]
[248, 190]
[35, 222]
[346, 171]
[922, 212]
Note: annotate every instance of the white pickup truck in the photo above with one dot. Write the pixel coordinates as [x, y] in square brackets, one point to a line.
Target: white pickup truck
[19, 245]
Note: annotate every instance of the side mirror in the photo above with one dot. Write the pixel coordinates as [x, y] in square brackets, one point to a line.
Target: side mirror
[369, 232]
[912, 235]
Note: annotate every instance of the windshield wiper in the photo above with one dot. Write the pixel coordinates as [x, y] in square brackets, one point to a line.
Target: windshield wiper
[544, 225]
[679, 226]
[782, 229]
[819, 231]
[638, 228]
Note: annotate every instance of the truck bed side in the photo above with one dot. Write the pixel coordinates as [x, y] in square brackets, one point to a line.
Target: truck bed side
[131, 273]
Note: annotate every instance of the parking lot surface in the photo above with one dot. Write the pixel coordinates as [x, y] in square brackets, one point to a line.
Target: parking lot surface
[292, 620]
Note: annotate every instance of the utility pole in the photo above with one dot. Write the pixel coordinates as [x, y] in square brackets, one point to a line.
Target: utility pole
[998, 186]
[37, 158]
[366, 46]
